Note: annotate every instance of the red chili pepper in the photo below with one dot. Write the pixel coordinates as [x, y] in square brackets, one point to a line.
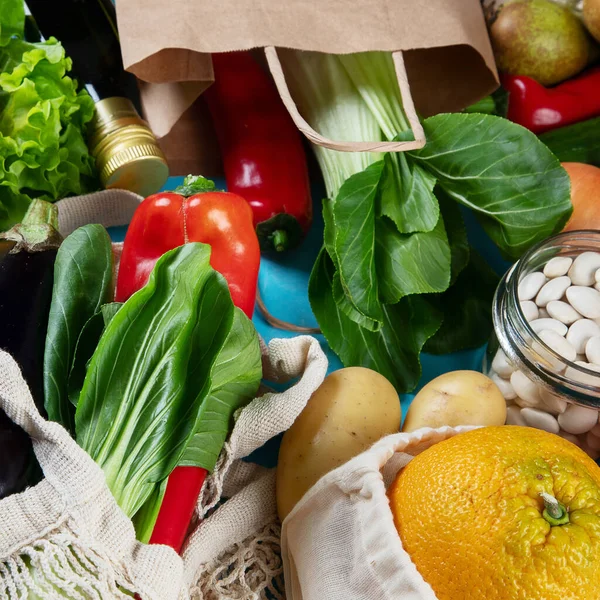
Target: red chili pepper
[194, 212]
[261, 148]
[542, 109]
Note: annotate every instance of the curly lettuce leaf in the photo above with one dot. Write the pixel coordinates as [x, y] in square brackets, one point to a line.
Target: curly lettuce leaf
[43, 121]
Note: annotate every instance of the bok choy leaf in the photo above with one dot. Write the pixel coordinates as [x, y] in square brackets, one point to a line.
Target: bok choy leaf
[153, 382]
[393, 258]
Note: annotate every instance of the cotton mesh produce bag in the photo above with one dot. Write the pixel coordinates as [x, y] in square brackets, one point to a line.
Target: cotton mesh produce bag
[66, 537]
[234, 553]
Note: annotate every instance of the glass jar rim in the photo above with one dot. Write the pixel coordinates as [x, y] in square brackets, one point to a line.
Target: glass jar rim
[577, 391]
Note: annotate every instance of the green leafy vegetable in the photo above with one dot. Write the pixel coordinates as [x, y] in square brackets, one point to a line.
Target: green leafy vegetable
[235, 378]
[355, 242]
[83, 273]
[394, 349]
[576, 143]
[495, 104]
[43, 119]
[403, 179]
[145, 519]
[87, 343]
[396, 266]
[516, 187]
[467, 309]
[171, 366]
[411, 264]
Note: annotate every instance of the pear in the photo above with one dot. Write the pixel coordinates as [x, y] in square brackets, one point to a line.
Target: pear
[591, 17]
[540, 39]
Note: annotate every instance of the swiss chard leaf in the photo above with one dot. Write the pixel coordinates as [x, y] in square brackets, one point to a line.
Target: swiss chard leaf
[418, 263]
[467, 309]
[394, 350]
[151, 373]
[82, 283]
[354, 217]
[407, 194]
[235, 378]
[504, 173]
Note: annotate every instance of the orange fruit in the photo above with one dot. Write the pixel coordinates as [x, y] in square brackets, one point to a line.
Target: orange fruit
[470, 515]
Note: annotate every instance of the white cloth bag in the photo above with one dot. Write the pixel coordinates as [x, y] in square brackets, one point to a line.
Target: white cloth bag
[340, 542]
[66, 537]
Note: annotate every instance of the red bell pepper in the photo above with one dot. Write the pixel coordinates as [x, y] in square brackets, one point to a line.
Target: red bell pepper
[542, 109]
[262, 150]
[194, 212]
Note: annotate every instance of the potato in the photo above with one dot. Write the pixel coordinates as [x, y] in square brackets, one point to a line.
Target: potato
[352, 409]
[457, 398]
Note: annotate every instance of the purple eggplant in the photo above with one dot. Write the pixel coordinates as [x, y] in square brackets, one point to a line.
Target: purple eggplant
[27, 254]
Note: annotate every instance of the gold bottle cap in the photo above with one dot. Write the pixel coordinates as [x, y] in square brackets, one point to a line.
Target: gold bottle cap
[126, 152]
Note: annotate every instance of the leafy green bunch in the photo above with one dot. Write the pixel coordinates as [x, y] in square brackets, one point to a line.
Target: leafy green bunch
[396, 273]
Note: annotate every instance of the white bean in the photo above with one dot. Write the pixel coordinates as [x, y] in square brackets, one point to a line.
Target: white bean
[557, 266]
[530, 310]
[584, 300]
[570, 438]
[593, 441]
[557, 343]
[501, 365]
[580, 332]
[527, 391]
[513, 416]
[563, 312]
[592, 349]
[578, 419]
[544, 314]
[597, 286]
[540, 420]
[552, 402]
[597, 276]
[506, 389]
[552, 324]
[581, 377]
[584, 267]
[553, 290]
[530, 285]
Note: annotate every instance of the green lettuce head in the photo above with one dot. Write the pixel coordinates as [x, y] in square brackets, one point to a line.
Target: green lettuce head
[43, 120]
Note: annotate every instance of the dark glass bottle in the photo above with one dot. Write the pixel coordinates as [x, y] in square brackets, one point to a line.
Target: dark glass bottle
[126, 152]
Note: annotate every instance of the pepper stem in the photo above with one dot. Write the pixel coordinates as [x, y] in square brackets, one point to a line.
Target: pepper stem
[280, 239]
[195, 184]
[554, 512]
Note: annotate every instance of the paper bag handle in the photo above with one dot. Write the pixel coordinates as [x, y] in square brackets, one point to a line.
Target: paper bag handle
[376, 146]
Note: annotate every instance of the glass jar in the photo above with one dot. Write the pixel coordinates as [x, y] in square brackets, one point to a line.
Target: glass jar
[541, 387]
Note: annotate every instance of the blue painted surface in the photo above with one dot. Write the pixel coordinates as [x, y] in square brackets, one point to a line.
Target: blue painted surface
[283, 284]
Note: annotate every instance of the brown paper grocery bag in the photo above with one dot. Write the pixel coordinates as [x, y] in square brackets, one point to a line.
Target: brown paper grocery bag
[445, 46]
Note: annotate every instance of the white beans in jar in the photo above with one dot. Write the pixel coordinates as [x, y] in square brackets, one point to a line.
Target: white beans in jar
[559, 306]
